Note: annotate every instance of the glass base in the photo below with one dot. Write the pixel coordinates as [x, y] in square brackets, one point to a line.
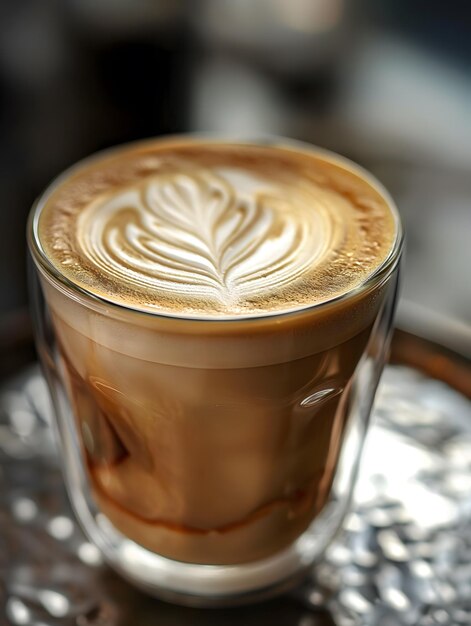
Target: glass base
[205, 586]
[213, 585]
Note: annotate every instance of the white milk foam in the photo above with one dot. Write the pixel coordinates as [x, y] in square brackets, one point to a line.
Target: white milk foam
[192, 234]
[220, 237]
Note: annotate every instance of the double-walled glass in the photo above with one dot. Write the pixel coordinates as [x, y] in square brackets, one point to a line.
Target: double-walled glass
[211, 461]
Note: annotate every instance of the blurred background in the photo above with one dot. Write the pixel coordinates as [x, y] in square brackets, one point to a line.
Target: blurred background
[385, 82]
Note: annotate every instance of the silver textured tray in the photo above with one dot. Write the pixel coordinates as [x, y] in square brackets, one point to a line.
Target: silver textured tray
[403, 557]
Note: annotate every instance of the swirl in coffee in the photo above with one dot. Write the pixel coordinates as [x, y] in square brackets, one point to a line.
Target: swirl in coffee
[211, 426]
[215, 229]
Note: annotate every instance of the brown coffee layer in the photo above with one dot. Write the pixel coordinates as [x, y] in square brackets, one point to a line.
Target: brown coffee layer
[209, 465]
[216, 229]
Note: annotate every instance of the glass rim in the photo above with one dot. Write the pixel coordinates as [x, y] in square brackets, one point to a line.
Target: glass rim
[44, 264]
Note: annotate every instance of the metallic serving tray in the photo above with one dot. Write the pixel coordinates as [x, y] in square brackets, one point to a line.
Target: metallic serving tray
[403, 557]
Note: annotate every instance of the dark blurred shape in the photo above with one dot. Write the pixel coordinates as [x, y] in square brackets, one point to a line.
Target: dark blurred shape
[439, 27]
[76, 77]
[292, 39]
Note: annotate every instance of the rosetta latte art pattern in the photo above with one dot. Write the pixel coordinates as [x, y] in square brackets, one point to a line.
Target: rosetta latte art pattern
[192, 233]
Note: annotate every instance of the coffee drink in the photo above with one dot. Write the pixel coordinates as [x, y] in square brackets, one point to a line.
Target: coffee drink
[211, 303]
[216, 230]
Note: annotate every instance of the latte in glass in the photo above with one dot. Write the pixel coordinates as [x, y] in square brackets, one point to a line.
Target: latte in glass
[211, 302]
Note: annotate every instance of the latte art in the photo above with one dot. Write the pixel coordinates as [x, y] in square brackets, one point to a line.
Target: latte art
[216, 230]
[194, 234]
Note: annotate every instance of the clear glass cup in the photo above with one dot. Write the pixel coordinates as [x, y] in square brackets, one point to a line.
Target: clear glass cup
[246, 433]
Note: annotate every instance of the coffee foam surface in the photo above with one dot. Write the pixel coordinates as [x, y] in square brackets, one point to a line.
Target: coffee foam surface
[215, 229]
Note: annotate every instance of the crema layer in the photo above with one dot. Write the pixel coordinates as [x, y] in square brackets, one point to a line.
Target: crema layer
[201, 228]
